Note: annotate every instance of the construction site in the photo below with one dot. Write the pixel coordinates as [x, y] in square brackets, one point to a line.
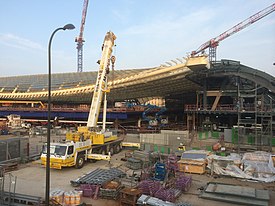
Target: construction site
[194, 131]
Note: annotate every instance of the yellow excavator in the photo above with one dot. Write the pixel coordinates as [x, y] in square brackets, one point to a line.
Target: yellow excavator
[90, 141]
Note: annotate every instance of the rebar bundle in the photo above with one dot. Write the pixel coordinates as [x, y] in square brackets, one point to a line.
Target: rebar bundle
[149, 187]
[183, 183]
[166, 194]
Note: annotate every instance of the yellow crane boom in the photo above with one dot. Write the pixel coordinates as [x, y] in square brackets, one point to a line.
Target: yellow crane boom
[101, 82]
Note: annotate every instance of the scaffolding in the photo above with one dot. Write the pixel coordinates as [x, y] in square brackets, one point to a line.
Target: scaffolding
[247, 115]
[255, 119]
[267, 115]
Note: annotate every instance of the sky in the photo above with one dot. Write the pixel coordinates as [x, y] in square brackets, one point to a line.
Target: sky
[149, 33]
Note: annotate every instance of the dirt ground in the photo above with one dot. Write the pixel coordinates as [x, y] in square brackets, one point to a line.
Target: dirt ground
[31, 180]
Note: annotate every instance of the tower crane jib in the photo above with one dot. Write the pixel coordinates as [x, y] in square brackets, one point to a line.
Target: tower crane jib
[213, 43]
[80, 39]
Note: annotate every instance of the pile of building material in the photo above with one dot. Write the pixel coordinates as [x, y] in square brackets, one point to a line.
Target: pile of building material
[149, 187]
[134, 164]
[98, 177]
[91, 183]
[66, 198]
[142, 156]
[130, 180]
[236, 194]
[168, 193]
[218, 164]
[183, 183]
[257, 166]
[146, 158]
[129, 196]
[153, 201]
[111, 190]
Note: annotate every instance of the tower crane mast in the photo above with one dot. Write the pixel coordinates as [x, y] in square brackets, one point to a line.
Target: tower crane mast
[80, 39]
[214, 42]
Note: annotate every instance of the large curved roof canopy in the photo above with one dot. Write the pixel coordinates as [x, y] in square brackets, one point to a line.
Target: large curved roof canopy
[130, 84]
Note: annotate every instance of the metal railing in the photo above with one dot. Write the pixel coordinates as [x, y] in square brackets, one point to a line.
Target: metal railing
[227, 108]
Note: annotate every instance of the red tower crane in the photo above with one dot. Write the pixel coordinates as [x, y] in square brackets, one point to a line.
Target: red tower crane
[80, 39]
[213, 43]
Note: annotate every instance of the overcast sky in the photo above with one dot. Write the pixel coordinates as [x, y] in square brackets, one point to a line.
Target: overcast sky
[149, 33]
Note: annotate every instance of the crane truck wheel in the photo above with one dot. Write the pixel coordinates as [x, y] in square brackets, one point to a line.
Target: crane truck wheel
[111, 150]
[117, 148]
[80, 161]
[103, 152]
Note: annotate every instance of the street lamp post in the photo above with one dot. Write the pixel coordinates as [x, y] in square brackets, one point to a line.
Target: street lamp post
[47, 196]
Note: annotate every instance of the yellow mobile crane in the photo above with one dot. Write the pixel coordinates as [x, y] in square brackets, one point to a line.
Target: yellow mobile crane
[89, 142]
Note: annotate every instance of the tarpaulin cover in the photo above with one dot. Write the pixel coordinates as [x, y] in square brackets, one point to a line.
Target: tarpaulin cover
[256, 166]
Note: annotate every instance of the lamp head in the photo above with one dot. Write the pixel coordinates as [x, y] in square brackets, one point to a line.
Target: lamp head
[69, 27]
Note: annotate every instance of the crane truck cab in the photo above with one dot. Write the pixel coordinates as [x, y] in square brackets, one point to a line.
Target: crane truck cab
[65, 154]
[79, 147]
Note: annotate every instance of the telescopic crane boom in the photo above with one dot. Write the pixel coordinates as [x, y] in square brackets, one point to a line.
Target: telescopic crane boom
[80, 39]
[213, 43]
[101, 82]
